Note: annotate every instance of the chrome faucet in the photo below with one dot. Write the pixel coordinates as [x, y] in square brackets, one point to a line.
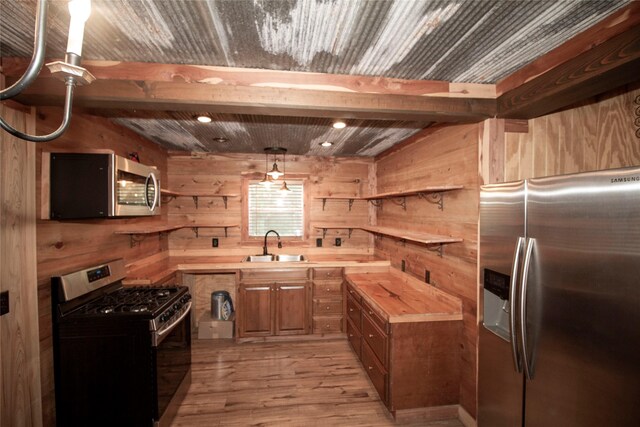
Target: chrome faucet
[264, 248]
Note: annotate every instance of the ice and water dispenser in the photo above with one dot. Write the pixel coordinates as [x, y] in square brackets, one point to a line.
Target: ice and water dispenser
[496, 302]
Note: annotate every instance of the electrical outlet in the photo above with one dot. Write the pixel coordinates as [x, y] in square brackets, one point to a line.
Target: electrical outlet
[403, 265]
[427, 276]
[4, 302]
[214, 242]
[318, 243]
[338, 241]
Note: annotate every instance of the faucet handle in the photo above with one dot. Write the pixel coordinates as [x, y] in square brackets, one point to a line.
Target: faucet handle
[279, 244]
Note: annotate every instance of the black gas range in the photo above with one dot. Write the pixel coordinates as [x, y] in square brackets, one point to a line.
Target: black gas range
[122, 355]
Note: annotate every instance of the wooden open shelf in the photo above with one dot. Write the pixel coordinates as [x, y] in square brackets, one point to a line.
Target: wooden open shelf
[403, 235]
[170, 195]
[433, 194]
[138, 234]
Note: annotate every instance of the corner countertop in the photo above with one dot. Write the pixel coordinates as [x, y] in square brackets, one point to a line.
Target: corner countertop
[400, 298]
[158, 271]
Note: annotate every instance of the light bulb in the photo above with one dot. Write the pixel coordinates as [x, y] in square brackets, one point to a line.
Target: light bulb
[274, 172]
[203, 119]
[79, 10]
[339, 124]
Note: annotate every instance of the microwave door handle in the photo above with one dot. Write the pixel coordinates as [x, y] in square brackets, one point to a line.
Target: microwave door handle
[151, 177]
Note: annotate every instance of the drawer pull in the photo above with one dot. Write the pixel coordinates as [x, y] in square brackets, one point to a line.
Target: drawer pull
[328, 289]
[370, 312]
[370, 335]
[328, 308]
[371, 368]
[327, 326]
[287, 288]
[258, 288]
[351, 310]
[350, 335]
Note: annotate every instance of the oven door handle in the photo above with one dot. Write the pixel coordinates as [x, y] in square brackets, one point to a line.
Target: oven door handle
[152, 178]
[158, 336]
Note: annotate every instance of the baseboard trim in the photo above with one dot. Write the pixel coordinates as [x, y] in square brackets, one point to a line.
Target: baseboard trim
[466, 418]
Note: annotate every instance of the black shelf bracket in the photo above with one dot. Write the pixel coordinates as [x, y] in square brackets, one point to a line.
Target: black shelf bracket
[436, 248]
[167, 199]
[136, 239]
[350, 204]
[324, 202]
[400, 201]
[376, 202]
[195, 202]
[350, 231]
[435, 198]
[225, 199]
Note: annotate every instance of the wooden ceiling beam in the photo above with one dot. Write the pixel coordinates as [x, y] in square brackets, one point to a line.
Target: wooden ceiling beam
[600, 59]
[125, 94]
[248, 77]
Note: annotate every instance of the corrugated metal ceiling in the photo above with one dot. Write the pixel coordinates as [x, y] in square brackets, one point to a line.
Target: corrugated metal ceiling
[458, 41]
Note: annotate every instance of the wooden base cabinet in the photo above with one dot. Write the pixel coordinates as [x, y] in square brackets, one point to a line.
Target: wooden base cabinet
[411, 364]
[273, 302]
[327, 300]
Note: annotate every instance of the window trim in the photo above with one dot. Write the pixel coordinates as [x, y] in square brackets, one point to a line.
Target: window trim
[257, 240]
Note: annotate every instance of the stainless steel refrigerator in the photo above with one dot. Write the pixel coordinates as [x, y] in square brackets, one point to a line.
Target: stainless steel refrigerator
[559, 344]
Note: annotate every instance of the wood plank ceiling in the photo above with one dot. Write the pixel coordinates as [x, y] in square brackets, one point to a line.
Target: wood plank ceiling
[443, 57]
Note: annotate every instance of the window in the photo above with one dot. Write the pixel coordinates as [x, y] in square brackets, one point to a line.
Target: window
[271, 209]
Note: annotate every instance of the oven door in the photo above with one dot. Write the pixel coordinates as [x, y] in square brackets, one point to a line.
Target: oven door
[136, 189]
[172, 357]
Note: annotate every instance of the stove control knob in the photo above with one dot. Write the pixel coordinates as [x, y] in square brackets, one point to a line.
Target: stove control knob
[176, 306]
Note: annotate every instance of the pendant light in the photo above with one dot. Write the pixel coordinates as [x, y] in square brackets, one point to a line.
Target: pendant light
[267, 180]
[284, 187]
[275, 172]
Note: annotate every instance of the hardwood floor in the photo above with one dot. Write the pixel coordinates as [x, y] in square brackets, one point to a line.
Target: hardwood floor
[312, 383]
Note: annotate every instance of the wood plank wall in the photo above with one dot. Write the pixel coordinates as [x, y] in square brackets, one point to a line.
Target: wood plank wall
[447, 155]
[598, 134]
[20, 392]
[223, 173]
[64, 246]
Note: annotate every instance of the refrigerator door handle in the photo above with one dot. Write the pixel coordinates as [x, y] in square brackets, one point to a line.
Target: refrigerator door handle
[513, 306]
[523, 307]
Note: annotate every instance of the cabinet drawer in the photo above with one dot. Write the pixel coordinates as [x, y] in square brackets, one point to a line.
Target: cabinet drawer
[376, 372]
[326, 307]
[326, 273]
[354, 312]
[327, 324]
[327, 289]
[353, 293]
[376, 339]
[377, 319]
[273, 275]
[354, 338]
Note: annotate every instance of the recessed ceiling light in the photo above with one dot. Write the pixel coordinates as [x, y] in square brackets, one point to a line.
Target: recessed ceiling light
[220, 139]
[203, 119]
[326, 144]
[339, 124]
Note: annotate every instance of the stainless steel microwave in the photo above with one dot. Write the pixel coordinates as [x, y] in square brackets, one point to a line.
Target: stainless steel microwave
[92, 185]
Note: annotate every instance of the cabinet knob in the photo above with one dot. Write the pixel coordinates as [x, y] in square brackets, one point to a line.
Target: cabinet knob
[328, 308]
[371, 368]
[328, 289]
[370, 312]
[351, 309]
[350, 335]
[327, 326]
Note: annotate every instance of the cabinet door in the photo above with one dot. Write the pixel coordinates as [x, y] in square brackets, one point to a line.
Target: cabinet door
[292, 308]
[256, 310]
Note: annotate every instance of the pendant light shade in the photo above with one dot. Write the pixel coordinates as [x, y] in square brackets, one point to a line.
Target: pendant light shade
[274, 172]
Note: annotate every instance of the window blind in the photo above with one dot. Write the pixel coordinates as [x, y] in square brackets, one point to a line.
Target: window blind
[271, 209]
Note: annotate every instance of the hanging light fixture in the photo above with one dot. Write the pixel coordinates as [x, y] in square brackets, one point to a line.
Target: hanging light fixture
[284, 187]
[267, 180]
[68, 70]
[275, 173]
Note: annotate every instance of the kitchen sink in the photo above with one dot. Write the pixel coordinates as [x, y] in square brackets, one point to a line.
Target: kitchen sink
[272, 258]
[259, 258]
[290, 258]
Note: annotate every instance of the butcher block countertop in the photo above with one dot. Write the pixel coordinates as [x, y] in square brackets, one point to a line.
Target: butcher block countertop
[157, 271]
[401, 298]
